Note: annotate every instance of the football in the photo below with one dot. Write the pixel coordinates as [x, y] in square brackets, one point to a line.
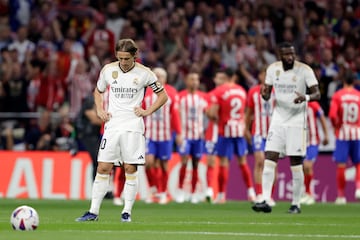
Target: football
[24, 218]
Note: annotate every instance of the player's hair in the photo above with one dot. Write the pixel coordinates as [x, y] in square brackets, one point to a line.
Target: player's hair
[126, 45]
[285, 45]
[227, 71]
[349, 77]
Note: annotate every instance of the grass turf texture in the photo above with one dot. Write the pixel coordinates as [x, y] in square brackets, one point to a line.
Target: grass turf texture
[233, 220]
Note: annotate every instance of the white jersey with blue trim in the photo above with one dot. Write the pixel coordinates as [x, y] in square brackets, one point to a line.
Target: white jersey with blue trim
[126, 91]
[285, 84]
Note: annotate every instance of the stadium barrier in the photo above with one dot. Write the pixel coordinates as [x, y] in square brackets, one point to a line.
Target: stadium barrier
[58, 175]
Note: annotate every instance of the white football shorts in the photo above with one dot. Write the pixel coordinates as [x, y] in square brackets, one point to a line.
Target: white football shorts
[287, 140]
[121, 147]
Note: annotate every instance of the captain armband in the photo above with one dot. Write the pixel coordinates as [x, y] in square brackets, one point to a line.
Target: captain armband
[156, 87]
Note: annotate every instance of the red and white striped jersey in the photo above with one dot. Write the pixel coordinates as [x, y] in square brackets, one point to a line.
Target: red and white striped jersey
[314, 111]
[211, 131]
[231, 99]
[160, 124]
[345, 114]
[262, 111]
[192, 113]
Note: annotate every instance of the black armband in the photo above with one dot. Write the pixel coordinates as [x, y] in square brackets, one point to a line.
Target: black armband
[156, 87]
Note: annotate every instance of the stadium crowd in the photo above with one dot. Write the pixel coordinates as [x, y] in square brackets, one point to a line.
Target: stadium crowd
[52, 52]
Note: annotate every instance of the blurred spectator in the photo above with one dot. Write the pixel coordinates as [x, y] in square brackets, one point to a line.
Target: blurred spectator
[64, 134]
[35, 71]
[47, 45]
[16, 90]
[114, 21]
[228, 51]
[175, 76]
[329, 71]
[81, 81]
[265, 56]
[222, 20]
[5, 33]
[22, 44]
[45, 13]
[38, 133]
[20, 13]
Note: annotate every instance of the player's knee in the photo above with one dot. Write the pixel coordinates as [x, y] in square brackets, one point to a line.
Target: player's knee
[274, 156]
[130, 168]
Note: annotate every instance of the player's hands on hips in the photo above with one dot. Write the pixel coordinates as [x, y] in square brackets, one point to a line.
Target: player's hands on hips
[103, 115]
[140, 112]
[300, 98]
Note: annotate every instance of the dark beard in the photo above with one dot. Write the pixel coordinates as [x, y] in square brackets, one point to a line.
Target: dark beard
[288, 66]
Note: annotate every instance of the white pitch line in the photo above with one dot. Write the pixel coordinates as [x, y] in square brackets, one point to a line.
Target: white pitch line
[248, 234]
[259, 223]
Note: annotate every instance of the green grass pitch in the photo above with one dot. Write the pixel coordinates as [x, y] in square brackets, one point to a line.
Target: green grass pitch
[233, 220]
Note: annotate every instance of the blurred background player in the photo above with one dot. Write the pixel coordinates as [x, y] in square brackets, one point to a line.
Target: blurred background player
[211, 137]
[193, 104]
[88, 127]
[287, 132]
[314, 112]
[159, 144]
[257, 118]
[228, 103]
[344, 116]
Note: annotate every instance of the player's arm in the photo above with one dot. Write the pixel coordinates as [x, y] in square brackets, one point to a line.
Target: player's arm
[249, 113]
[175, 121]
[161, 99]
[313, 96]
[213, 111]
[98, 99]
[333, 113]
[266, 91]
[324, 127]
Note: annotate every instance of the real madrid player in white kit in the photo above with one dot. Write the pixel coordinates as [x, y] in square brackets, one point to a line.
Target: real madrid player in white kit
[123, 141]
[287, 132]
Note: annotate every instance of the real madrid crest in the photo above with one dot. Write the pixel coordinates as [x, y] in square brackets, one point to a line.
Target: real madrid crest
[277, 73]
[136, 81]
[294, 79]
[114, 74]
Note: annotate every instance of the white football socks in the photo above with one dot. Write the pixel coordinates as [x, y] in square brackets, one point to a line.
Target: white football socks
[268, 177]
[130, 191]
[297, 182]
[99, 190]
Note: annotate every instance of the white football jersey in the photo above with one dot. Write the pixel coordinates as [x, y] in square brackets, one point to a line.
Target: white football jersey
[126, 91]
[285, 84]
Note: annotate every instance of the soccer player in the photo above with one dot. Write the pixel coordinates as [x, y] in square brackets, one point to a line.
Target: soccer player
[193, 104]
[228, 103]
[287, 132]
[211, 137]
[123, 141]
[158, 133]
[344, 116]
[312, 151]
[257, 118]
